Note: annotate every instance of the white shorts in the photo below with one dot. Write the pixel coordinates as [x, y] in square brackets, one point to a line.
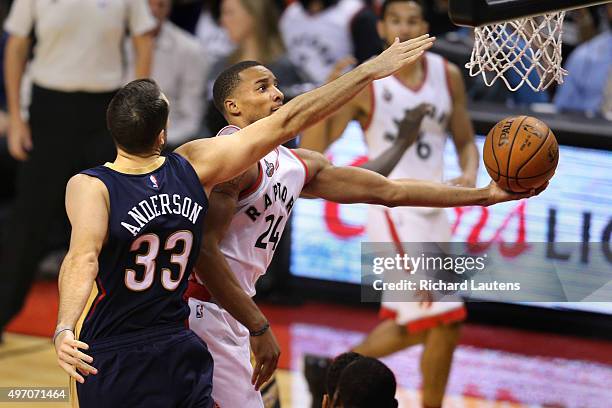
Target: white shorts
[228, 342]
[402, 225]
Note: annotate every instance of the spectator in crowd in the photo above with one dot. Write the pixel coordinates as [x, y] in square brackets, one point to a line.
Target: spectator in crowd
[74, 75]
[364, 383]
[586, 88]
[213, 37]
[253, 26]
[332, 378]
[185, 14]
[320, 33]
[436, 12]
[183, 83]
[579, 26]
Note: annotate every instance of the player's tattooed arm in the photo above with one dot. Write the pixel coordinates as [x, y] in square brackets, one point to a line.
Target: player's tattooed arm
[233, 186]
[213, 270]
[348, 185]
[87, 205]
[408, 132]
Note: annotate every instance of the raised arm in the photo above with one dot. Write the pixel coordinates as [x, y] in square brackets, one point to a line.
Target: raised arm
[213, 270]
[87, 206]
[221, 158]
[462, 131]
[355, 185]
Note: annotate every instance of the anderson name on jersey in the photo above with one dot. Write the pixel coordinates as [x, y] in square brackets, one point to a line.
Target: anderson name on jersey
[158, 205]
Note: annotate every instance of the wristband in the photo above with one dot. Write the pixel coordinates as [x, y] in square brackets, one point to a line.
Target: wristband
[260, 331]
[57, 333]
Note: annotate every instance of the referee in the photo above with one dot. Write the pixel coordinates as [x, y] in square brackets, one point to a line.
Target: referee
[77, 65]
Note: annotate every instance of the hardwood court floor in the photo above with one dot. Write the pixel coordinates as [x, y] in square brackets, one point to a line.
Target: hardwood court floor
[29, 361]
[493, 367]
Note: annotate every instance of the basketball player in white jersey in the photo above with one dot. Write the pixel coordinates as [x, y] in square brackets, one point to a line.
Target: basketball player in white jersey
[439, 83]
[246, 218]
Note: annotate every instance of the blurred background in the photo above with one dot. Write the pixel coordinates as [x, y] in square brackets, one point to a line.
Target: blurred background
[539, 354]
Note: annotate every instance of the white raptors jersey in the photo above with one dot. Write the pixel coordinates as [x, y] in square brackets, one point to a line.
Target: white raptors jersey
[316, 42]
[424, 159]
[260, 218]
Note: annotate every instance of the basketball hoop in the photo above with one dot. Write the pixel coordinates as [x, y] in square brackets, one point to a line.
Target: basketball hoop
[516, 41]
[519, 52]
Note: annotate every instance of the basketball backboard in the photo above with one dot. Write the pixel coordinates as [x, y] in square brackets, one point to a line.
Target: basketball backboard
[475, 13]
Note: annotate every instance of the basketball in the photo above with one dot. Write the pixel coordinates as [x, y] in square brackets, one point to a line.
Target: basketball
[521, 153]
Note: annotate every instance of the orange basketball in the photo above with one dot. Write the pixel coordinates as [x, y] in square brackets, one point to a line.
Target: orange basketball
[521, 153]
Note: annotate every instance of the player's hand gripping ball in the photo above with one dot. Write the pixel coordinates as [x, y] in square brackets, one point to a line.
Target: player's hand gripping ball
[521, 153]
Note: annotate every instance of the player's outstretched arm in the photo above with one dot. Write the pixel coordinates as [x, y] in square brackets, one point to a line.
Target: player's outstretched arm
[355, 185]
[87, 208]
[213, 270]
[223, 157]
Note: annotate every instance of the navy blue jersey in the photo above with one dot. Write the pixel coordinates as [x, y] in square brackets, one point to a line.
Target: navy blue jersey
[154, 235]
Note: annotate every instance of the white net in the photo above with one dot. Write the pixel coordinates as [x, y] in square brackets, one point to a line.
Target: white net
[523, 51]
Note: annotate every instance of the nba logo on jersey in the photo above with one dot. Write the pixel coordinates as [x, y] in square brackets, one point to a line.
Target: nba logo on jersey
[153, 182]
[199, 311]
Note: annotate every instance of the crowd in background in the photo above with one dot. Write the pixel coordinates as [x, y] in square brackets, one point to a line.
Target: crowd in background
[185, 44]
[196, 39]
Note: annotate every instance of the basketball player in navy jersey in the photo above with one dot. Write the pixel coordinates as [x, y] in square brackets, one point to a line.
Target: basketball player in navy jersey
[136, 230]
[247, 217]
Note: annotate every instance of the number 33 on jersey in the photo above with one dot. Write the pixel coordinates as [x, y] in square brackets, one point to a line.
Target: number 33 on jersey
[155, 229]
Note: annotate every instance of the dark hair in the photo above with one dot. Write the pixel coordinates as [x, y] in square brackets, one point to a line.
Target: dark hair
[367, 383]
[335, 370]
[136, 115]
[228, 80]
[386, 3]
